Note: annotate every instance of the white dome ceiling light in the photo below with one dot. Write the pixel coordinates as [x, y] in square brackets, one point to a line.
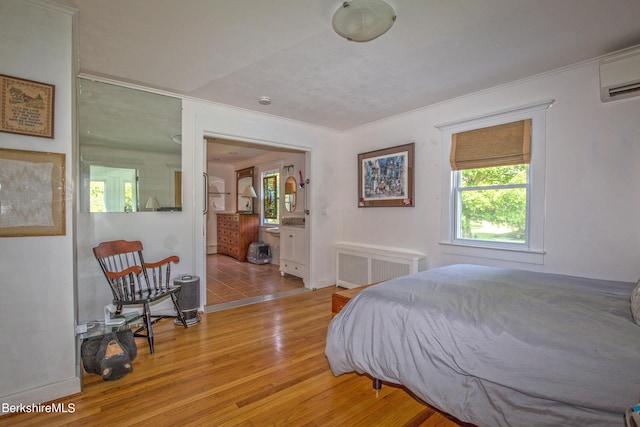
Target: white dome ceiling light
[363, 20]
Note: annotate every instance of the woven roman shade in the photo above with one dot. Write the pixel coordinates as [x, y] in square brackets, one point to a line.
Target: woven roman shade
[501, 145]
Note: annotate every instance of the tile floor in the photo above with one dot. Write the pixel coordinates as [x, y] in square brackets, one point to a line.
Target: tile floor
[230, 282]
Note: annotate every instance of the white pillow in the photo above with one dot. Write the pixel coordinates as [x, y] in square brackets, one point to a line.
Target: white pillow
[635, 303]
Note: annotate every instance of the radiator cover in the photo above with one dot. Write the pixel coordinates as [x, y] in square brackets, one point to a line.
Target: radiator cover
[359, 265]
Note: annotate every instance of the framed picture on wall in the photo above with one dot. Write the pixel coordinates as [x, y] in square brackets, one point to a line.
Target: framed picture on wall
[32, 193]
[385, 177]
[26, 107]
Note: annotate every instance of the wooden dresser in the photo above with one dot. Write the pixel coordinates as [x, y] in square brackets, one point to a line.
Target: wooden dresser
[236, 232]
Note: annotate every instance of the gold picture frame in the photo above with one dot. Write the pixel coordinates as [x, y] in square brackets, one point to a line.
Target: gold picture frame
[26, 107]
[32, 193]
[385, 177]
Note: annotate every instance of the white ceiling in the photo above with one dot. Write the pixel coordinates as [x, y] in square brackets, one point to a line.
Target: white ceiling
[233, 52]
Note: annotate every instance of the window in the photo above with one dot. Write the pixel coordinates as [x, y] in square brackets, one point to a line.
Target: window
[495, 185]
[491, 204]
[271, 196]
[113, 189]
[96, 198]
[491, 182]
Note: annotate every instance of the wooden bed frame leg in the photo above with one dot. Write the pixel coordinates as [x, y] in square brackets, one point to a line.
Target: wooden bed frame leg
[377, 384]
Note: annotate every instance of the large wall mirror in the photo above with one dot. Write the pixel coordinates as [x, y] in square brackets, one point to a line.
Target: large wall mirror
[130, 152]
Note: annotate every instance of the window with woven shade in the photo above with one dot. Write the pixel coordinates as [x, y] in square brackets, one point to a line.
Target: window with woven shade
[492, 182]
[495, 184]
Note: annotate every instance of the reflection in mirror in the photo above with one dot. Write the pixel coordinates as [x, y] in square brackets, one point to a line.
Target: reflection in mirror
[216, 193]
[247, 193]
[105, 182]
[290, 194]
[130, 148]
[244, 180]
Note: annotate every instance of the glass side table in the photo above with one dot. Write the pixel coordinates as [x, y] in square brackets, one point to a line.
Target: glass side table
[97, 328]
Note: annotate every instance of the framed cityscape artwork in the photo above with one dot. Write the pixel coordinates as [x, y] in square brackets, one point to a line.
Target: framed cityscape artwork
[385, 177]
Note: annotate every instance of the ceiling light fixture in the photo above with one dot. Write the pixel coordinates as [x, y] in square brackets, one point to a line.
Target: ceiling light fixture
[363, 20]
[264, 100]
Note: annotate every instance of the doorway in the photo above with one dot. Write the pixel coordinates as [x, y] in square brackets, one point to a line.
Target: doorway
[230, 282]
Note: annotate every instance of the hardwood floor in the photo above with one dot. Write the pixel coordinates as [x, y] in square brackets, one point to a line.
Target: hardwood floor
[229, 280]
[259, 364]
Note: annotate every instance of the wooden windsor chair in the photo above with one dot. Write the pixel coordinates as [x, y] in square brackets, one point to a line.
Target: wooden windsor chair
[136, 282]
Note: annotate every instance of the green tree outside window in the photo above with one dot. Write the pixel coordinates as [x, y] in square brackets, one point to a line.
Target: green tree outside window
[493, 203]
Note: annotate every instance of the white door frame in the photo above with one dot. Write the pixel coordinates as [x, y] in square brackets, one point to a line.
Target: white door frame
[200, 223]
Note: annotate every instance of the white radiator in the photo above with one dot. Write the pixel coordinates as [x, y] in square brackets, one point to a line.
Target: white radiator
[358, 265]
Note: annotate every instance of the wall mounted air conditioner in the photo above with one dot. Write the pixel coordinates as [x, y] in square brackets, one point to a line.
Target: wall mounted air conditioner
[620, 75]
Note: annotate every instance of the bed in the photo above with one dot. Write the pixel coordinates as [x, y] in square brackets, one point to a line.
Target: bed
[495, 347]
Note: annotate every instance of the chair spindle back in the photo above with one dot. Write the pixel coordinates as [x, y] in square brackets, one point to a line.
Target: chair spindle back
[122, 255]
[122, 264]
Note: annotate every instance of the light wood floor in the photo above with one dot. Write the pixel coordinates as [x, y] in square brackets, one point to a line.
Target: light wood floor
[255, 365]
[229, 280]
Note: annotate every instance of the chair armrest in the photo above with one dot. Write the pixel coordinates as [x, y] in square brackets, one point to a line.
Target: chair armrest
[173, 258]
[136, 269]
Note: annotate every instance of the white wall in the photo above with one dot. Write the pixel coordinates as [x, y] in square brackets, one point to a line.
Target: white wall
[37, 339]
[162, 234]
[592, 178]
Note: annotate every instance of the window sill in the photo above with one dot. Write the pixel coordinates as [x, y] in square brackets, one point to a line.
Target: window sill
[529, 256]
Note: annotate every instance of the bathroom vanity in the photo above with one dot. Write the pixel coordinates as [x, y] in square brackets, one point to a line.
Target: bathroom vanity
[292, 247]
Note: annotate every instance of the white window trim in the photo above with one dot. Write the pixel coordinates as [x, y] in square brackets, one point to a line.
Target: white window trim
[534, 252]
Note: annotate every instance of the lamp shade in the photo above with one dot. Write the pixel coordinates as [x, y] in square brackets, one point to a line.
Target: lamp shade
[289, 187]
[152, 203]
[249, 191]
[363, 20]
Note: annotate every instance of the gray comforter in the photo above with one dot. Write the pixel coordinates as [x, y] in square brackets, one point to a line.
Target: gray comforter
[495, 346]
